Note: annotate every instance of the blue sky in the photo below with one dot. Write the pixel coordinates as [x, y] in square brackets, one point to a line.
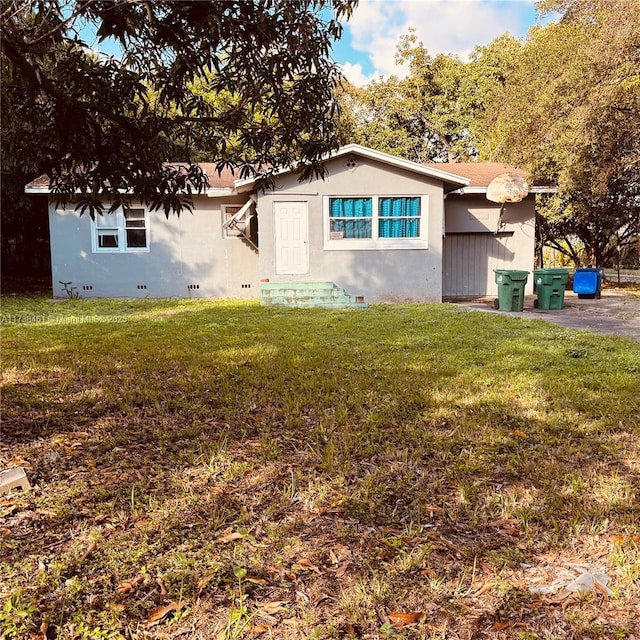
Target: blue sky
[368, 46]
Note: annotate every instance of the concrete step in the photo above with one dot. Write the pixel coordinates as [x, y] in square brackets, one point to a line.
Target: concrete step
[298, 286]
[308, 294]
[311, 302]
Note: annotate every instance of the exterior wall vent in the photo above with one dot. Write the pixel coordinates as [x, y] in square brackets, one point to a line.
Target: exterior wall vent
[87, 287]
[245, 286]
[142, 286]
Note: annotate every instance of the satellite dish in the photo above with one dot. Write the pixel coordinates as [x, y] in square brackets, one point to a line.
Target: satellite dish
[507, 187]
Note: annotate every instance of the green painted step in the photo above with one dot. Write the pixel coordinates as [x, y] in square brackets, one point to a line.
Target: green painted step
[307, 294]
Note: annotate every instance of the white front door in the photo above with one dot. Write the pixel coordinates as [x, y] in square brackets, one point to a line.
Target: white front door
[292, 238]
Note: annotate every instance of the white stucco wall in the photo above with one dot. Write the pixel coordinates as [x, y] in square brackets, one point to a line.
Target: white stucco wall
[379, 275]
[183, 251]
[189, 256]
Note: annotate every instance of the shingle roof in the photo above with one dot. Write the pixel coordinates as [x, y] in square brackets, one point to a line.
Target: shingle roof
[223, 180]
[480, 173]
[450, 181]
[39, 183]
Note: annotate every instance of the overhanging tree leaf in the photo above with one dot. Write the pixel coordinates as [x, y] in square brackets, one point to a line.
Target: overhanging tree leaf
[102, 127]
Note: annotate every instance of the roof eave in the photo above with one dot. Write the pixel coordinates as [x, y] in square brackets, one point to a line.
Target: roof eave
[39, 191]
[472, 190]
[379, 156]
[402, 163]
[218, 192]
[212, 192]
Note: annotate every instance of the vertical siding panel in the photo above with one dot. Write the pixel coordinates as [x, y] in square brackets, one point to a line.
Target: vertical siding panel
[464, 260]
[486, 268]
[468, 255]
[460, 265]
[497, 263]
[476, 250]
[469, 261]
[446, 255]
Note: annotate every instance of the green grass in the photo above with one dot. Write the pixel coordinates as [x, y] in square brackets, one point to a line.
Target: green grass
[277, 473]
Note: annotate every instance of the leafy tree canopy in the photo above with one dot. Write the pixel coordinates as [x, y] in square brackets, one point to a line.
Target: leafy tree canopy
[246, 82]
[418, 117]
[570, 112]
[563, 103]
[434, 113]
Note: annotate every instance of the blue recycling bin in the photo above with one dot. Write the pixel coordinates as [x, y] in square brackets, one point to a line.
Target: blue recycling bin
[587, 282]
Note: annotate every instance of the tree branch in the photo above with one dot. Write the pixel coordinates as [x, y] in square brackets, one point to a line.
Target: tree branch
[42, 83]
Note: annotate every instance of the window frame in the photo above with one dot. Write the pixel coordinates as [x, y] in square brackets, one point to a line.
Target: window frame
[119, 229]
[236, 233]
[377, 243]
[355, 219]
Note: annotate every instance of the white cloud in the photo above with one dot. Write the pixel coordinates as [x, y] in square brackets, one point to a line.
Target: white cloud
[355, 75]
[444, 26]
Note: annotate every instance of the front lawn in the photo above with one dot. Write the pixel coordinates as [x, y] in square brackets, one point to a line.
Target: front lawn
[220, 470]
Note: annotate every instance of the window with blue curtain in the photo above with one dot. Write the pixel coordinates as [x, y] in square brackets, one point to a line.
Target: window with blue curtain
[399, 217]
[350, 217]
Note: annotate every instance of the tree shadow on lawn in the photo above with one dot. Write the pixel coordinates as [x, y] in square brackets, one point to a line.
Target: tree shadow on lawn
[305, 445]
[363, 406]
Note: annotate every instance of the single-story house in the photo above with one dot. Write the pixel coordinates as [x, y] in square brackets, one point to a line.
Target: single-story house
[376, 228]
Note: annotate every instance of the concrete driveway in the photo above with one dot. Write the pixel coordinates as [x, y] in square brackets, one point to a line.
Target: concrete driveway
[616, 313]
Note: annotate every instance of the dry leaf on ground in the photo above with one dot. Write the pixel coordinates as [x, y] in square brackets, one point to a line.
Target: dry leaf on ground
[90, 549]
[257, 629]
[276, 606]
[483, 589]
[230, 537]
[163, 590]
[158, 614]
[305, 565]
[126, 587]
[400, 619]
[501, 626]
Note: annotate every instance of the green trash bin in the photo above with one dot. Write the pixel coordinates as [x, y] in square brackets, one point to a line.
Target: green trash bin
[550, 286]
[511, 284]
